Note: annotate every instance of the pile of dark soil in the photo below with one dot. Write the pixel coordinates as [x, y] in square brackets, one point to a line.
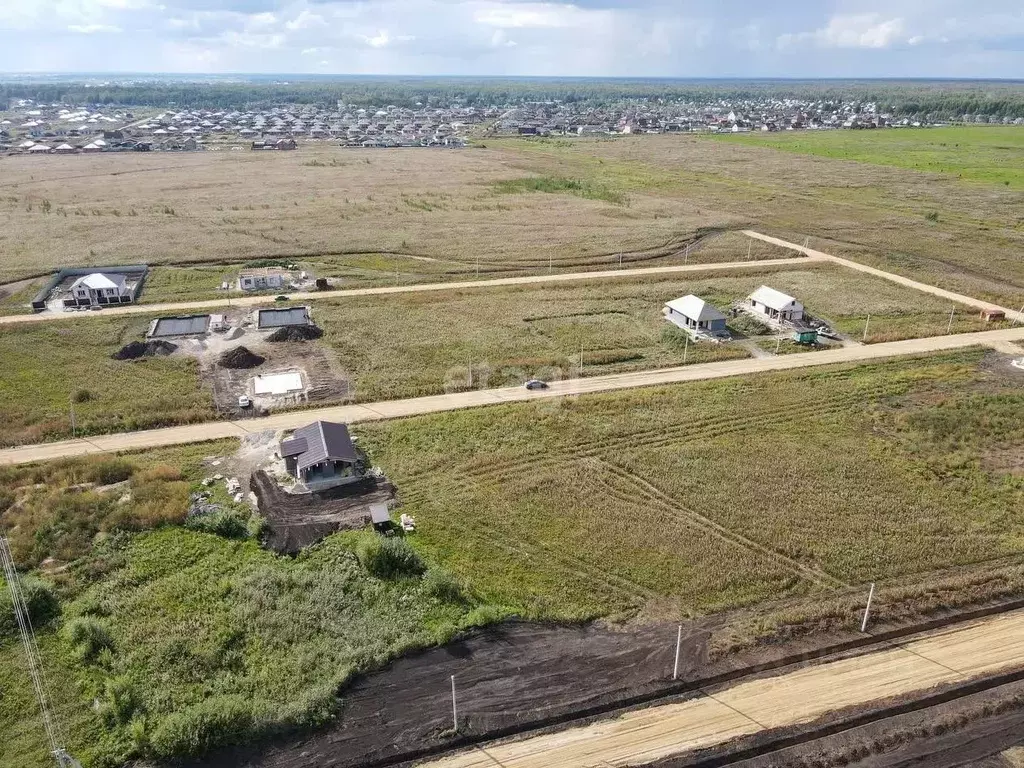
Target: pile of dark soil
[240, 357]
[296, 333]
[137, 349]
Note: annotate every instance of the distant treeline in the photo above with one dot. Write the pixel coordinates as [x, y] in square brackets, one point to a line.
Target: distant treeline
[936, 99]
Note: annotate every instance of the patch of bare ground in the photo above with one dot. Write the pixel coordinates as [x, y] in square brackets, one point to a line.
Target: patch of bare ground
[295, 521]
[1005, 461]
[322, 375]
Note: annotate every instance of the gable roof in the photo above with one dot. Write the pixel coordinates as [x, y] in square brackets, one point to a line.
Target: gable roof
[98, 281]
[774, 299]
[695, 308]
[317, 442]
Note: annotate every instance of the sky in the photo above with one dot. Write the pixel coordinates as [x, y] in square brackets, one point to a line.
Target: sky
[596, 38]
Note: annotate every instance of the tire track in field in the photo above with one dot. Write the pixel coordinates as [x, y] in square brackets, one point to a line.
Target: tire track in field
[654, 495]
[526, 548]
[420, 487]
[697, 429]
[657, 437]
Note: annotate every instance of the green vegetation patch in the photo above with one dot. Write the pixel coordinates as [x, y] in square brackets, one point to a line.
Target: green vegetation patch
[56, 510]
[989, 154]
[46, 366]
[555, 185]
[164, 644]
[708, 496]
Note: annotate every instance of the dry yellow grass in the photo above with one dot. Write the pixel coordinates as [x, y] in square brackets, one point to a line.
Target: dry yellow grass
[217, 206]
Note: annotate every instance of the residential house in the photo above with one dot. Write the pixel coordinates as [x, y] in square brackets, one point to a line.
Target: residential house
[693, 314]
[322, 455]
[775, 305]
[100, 289]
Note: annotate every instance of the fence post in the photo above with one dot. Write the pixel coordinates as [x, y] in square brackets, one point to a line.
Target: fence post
[867, 608]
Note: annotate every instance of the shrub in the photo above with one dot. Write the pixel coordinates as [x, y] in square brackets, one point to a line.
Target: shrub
[389, 558]
[82, 396]
[88, 637]
[228, 523]
[110, 471]
[932, 216]
[39, 598]
[442, 585]
[216, 722]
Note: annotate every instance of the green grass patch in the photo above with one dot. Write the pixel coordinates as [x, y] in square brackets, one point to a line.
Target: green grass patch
[167, 643]
[988, 154]
[47, 365]
[693, 499]
[554, 185]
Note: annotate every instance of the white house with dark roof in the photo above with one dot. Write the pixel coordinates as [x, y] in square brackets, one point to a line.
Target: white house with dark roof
[775, 305]
[322, 455]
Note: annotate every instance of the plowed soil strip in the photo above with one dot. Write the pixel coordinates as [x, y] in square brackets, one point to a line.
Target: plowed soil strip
[797, 697]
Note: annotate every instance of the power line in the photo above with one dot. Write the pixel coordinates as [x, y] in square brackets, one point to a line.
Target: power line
[32, 656]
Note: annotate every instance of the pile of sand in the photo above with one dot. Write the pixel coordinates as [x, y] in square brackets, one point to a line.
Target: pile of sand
[296, 333]
[240, 357]
[137, 349]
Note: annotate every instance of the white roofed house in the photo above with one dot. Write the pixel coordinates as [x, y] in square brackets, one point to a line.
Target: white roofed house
[693, 314]
[775, 305]
[99, 289]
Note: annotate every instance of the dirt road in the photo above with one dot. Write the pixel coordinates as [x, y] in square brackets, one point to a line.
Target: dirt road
[950, 656]
[300, 296]
[908, 282]
[394, 409]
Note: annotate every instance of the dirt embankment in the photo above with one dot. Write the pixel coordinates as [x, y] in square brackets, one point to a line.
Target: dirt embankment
[296, 521]
[516, 677]
[506, 675]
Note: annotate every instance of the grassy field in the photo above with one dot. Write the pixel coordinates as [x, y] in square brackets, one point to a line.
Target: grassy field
[408, 345]
[517, 205]
[178, 639]
[685, 500]
[961, 236]
[986, 154]
[53, 367]
[787, 489]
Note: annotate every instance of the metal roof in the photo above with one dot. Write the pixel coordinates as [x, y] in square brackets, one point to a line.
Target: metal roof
[192, 325]
[379, 513]
[293, 446]
[323, 441]
[774, 299]
[695, 308]
[276, 318]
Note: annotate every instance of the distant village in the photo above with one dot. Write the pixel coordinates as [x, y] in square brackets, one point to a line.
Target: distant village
[33, 128]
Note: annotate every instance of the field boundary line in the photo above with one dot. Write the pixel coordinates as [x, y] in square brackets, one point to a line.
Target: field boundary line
[890, 276]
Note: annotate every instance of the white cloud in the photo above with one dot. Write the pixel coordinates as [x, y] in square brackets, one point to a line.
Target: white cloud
[92, 29]
[525, 15]
[866, 30]
[840, 38]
